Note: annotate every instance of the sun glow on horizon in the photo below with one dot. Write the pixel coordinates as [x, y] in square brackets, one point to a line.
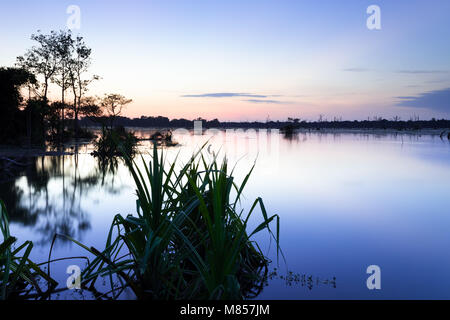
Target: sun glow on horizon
[266, 60]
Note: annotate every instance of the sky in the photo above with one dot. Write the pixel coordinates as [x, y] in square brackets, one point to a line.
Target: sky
[252, 60]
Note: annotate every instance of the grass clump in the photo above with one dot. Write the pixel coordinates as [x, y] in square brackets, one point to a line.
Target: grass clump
[188, 240]
[114, 142]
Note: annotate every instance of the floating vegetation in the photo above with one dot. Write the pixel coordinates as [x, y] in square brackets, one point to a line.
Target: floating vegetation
[188, 239]
[303, 280]
[162, 138]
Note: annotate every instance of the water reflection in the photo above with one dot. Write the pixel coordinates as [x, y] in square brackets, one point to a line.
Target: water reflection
[346, 200]
[46, 192]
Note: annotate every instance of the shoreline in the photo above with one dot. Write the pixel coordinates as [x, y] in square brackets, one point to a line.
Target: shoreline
[15, 151]
[425, 132]
[438, 131]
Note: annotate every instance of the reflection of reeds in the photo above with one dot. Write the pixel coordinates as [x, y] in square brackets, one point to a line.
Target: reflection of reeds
[304, 280]
[288, 130]
[443, 134]
[18, 274]
[188, 240]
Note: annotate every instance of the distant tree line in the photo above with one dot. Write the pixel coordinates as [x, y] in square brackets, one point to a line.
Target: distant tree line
[378, 123]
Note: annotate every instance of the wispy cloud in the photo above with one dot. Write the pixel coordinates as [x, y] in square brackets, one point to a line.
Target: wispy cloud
[438, 100]
[224, 95]
[422, 71]
[266, 101]
[355, 70]
[438, 81]
[256, 98]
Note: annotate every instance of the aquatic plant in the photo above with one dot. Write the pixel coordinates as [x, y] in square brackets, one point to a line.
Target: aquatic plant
[188, 239]
[161, 138]
[115, 142]
[19, 276]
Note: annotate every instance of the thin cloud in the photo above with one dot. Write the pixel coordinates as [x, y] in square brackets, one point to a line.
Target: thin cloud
[437, 81]
[265, 101]
[223, 95]
[422, 71]
[356, 70]
[437, 100]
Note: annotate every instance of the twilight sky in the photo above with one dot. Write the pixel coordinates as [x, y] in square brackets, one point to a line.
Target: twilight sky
[247, 60]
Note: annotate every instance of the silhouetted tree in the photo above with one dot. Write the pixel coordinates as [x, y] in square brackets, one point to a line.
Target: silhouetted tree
[113, 105]
[89, 108]
[12, 122]
[294, 120]
[41, 60]
[78, 66]
[63, 46]
[37, 111]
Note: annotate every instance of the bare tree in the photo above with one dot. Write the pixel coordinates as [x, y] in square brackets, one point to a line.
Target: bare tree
[113, 105]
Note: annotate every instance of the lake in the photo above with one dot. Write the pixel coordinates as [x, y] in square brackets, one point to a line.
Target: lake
[346, 201]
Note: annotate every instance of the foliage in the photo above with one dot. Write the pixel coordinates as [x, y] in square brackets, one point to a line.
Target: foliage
[62, 59]
[288, 130]
[12, 121]
[41, 60]
[113, 105]
[163, 138]
[18, 274]
[114, 142]
[78, 65]
[188, 240]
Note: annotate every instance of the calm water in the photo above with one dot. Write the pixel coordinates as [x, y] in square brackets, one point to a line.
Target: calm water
[346, 201]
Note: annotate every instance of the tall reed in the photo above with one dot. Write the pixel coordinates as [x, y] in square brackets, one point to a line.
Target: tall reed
[187, 239]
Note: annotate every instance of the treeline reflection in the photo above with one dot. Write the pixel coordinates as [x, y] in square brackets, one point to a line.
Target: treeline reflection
[45, 193]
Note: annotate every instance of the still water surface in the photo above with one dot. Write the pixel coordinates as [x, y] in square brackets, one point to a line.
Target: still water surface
[346, 201]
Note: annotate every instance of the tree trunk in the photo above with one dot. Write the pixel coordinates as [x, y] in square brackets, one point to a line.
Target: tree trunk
[76, 124]
[29, 132]
[46, 89]
[75, 111]
[29, 125]
[63, 87]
